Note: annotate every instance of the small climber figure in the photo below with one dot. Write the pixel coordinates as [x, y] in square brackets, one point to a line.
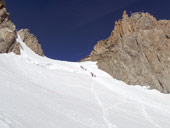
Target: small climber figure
[92, 74]
[82, 67]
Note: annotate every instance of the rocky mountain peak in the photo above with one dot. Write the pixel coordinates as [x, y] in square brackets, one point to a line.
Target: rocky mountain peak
[31, 41]
[7, 32]
[8, 35]
[137, 21]
[2, 3]
[137, 51]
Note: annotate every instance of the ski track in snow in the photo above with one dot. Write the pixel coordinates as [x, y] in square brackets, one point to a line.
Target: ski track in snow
[5, 122]
[149, 118]
[110, 125]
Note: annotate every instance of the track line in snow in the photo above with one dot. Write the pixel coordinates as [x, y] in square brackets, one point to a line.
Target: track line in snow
[6, 122]
[102, 108]
[3, 124]
[115, 105]
[149, 118]
[69, 116]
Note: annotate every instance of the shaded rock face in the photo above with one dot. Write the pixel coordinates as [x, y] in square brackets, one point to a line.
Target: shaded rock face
[7, 32]
[31, 41]
[137, 51]
[8, 35]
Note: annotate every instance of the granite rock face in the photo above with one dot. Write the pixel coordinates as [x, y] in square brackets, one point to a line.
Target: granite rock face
[7, 32]
[8, 35]
[137, 51]
[31, 41]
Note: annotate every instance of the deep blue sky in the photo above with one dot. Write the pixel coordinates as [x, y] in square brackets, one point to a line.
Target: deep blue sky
[68, 29]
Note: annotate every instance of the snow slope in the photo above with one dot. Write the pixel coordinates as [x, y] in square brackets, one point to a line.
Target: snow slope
[38, 92]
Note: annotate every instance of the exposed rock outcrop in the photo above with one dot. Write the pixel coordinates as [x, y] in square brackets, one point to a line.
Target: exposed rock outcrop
[8, 35]
[31, 41]
[7, 32]
[137, 51]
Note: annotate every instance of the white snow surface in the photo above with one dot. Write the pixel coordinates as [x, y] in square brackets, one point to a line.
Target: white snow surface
[38, 92]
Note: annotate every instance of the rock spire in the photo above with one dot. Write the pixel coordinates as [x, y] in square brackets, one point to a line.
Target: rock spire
[137, 51]
[8, 35]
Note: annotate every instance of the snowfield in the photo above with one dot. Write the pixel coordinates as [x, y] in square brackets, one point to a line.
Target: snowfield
[38, 92]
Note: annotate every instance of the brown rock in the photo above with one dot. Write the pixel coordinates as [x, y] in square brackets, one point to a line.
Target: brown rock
[31, 41]
[8, 35]
[7, 32]
[137, 52]
[2, 4]
[15, 48]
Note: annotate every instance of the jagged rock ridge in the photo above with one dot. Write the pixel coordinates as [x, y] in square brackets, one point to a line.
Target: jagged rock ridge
[137, 51]
[8, 35]
[31, 41]
[7, 32]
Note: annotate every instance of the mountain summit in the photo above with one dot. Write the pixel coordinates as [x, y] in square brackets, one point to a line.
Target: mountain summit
[9, 34]
[137, 51]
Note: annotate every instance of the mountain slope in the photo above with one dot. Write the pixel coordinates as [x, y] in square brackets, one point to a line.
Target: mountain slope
[38, 92]
[137, 51]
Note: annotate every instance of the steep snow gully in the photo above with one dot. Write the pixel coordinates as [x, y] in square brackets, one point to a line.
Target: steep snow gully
[38, 92]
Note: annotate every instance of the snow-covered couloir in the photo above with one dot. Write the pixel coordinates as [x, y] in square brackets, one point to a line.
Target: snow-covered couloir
[38, 92]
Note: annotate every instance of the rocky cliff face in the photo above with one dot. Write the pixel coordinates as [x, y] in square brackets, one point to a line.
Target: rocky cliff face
[31, 41]
[137, 51]
[7, 32]
[8, 35]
